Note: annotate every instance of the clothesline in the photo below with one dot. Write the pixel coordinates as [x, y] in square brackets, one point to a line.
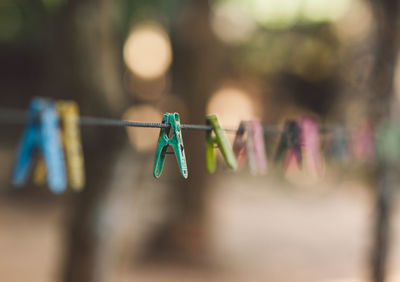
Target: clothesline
[17, 116]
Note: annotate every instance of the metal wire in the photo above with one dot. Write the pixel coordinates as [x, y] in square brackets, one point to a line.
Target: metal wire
[15, 116]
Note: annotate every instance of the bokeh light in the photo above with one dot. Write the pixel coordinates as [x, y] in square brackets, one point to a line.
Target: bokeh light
[143, 139]
[147, 51]
[356, 23]
[232, 21]
[232, 105]
[324, 10]
[276, 13]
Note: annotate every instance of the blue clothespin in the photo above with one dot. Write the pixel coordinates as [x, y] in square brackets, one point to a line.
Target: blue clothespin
[41, 134]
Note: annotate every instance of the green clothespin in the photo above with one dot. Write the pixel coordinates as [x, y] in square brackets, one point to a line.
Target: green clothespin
[388, 142]
[164, 140]
[222, 142]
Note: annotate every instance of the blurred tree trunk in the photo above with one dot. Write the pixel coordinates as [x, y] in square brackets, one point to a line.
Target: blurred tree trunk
[382, 105]
[84, 65]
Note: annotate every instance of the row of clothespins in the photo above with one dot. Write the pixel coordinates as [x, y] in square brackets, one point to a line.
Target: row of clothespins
[53, 131]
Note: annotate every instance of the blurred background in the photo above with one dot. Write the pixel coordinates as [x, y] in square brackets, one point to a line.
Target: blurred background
[268, 59]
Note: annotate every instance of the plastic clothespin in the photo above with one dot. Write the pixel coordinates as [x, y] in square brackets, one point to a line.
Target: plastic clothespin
[363, 141]
[71, 137]
[310, 144]
[70, 134]
[220, 139]
[339, 145]
[388, 142]
[289, 146]
[249, 141]
[176, 141]
[42, 134]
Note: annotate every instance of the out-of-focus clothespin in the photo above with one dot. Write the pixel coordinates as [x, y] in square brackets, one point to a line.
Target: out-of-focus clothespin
[176, 141]
[362, 143]
[339, 144]
[388, 142]
[42, 134]
[310, 145]
[71, 138]
[249, 141]
[289, 146]
[216, 136]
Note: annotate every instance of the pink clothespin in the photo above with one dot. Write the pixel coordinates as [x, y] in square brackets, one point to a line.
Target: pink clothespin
[362, 143]
[310, 143]
[249, 141]
[256, 147]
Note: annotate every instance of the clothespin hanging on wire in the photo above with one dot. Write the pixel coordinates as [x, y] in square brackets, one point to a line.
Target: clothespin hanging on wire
[249, 141]
[362, 143]
[71, 138]
[310, 143]
[175, 140]
[70, 134]
[388, 142]
[289, 146]
[339, 144]
[41, 134]
[216, 136]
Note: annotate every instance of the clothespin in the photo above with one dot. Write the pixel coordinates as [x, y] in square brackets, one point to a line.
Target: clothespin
[289, 146]
[164, 141]
[41, 134]
[388, 142]
[71, 137]
[221, 141]
[249, 141]
[339, 143]
[363, 141]
[70, 134]
[310, 144]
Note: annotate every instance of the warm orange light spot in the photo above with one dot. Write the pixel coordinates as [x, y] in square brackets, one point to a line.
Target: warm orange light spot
[232, 105]
[143, 139]
[147, 51]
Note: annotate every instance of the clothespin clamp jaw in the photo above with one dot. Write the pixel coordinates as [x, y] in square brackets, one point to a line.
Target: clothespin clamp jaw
[216, 136]
[41, 133]
[170, 136]
[290, 143]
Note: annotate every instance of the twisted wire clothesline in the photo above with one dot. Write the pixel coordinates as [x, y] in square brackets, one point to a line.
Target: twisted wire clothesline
[16, 116]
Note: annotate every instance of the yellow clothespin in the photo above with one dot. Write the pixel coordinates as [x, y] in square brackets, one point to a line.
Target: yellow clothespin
[71, 138]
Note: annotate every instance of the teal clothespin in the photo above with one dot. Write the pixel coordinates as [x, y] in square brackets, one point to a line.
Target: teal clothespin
[175, 141]
[220, 139]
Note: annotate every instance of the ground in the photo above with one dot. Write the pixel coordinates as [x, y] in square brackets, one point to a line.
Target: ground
[260, 229]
